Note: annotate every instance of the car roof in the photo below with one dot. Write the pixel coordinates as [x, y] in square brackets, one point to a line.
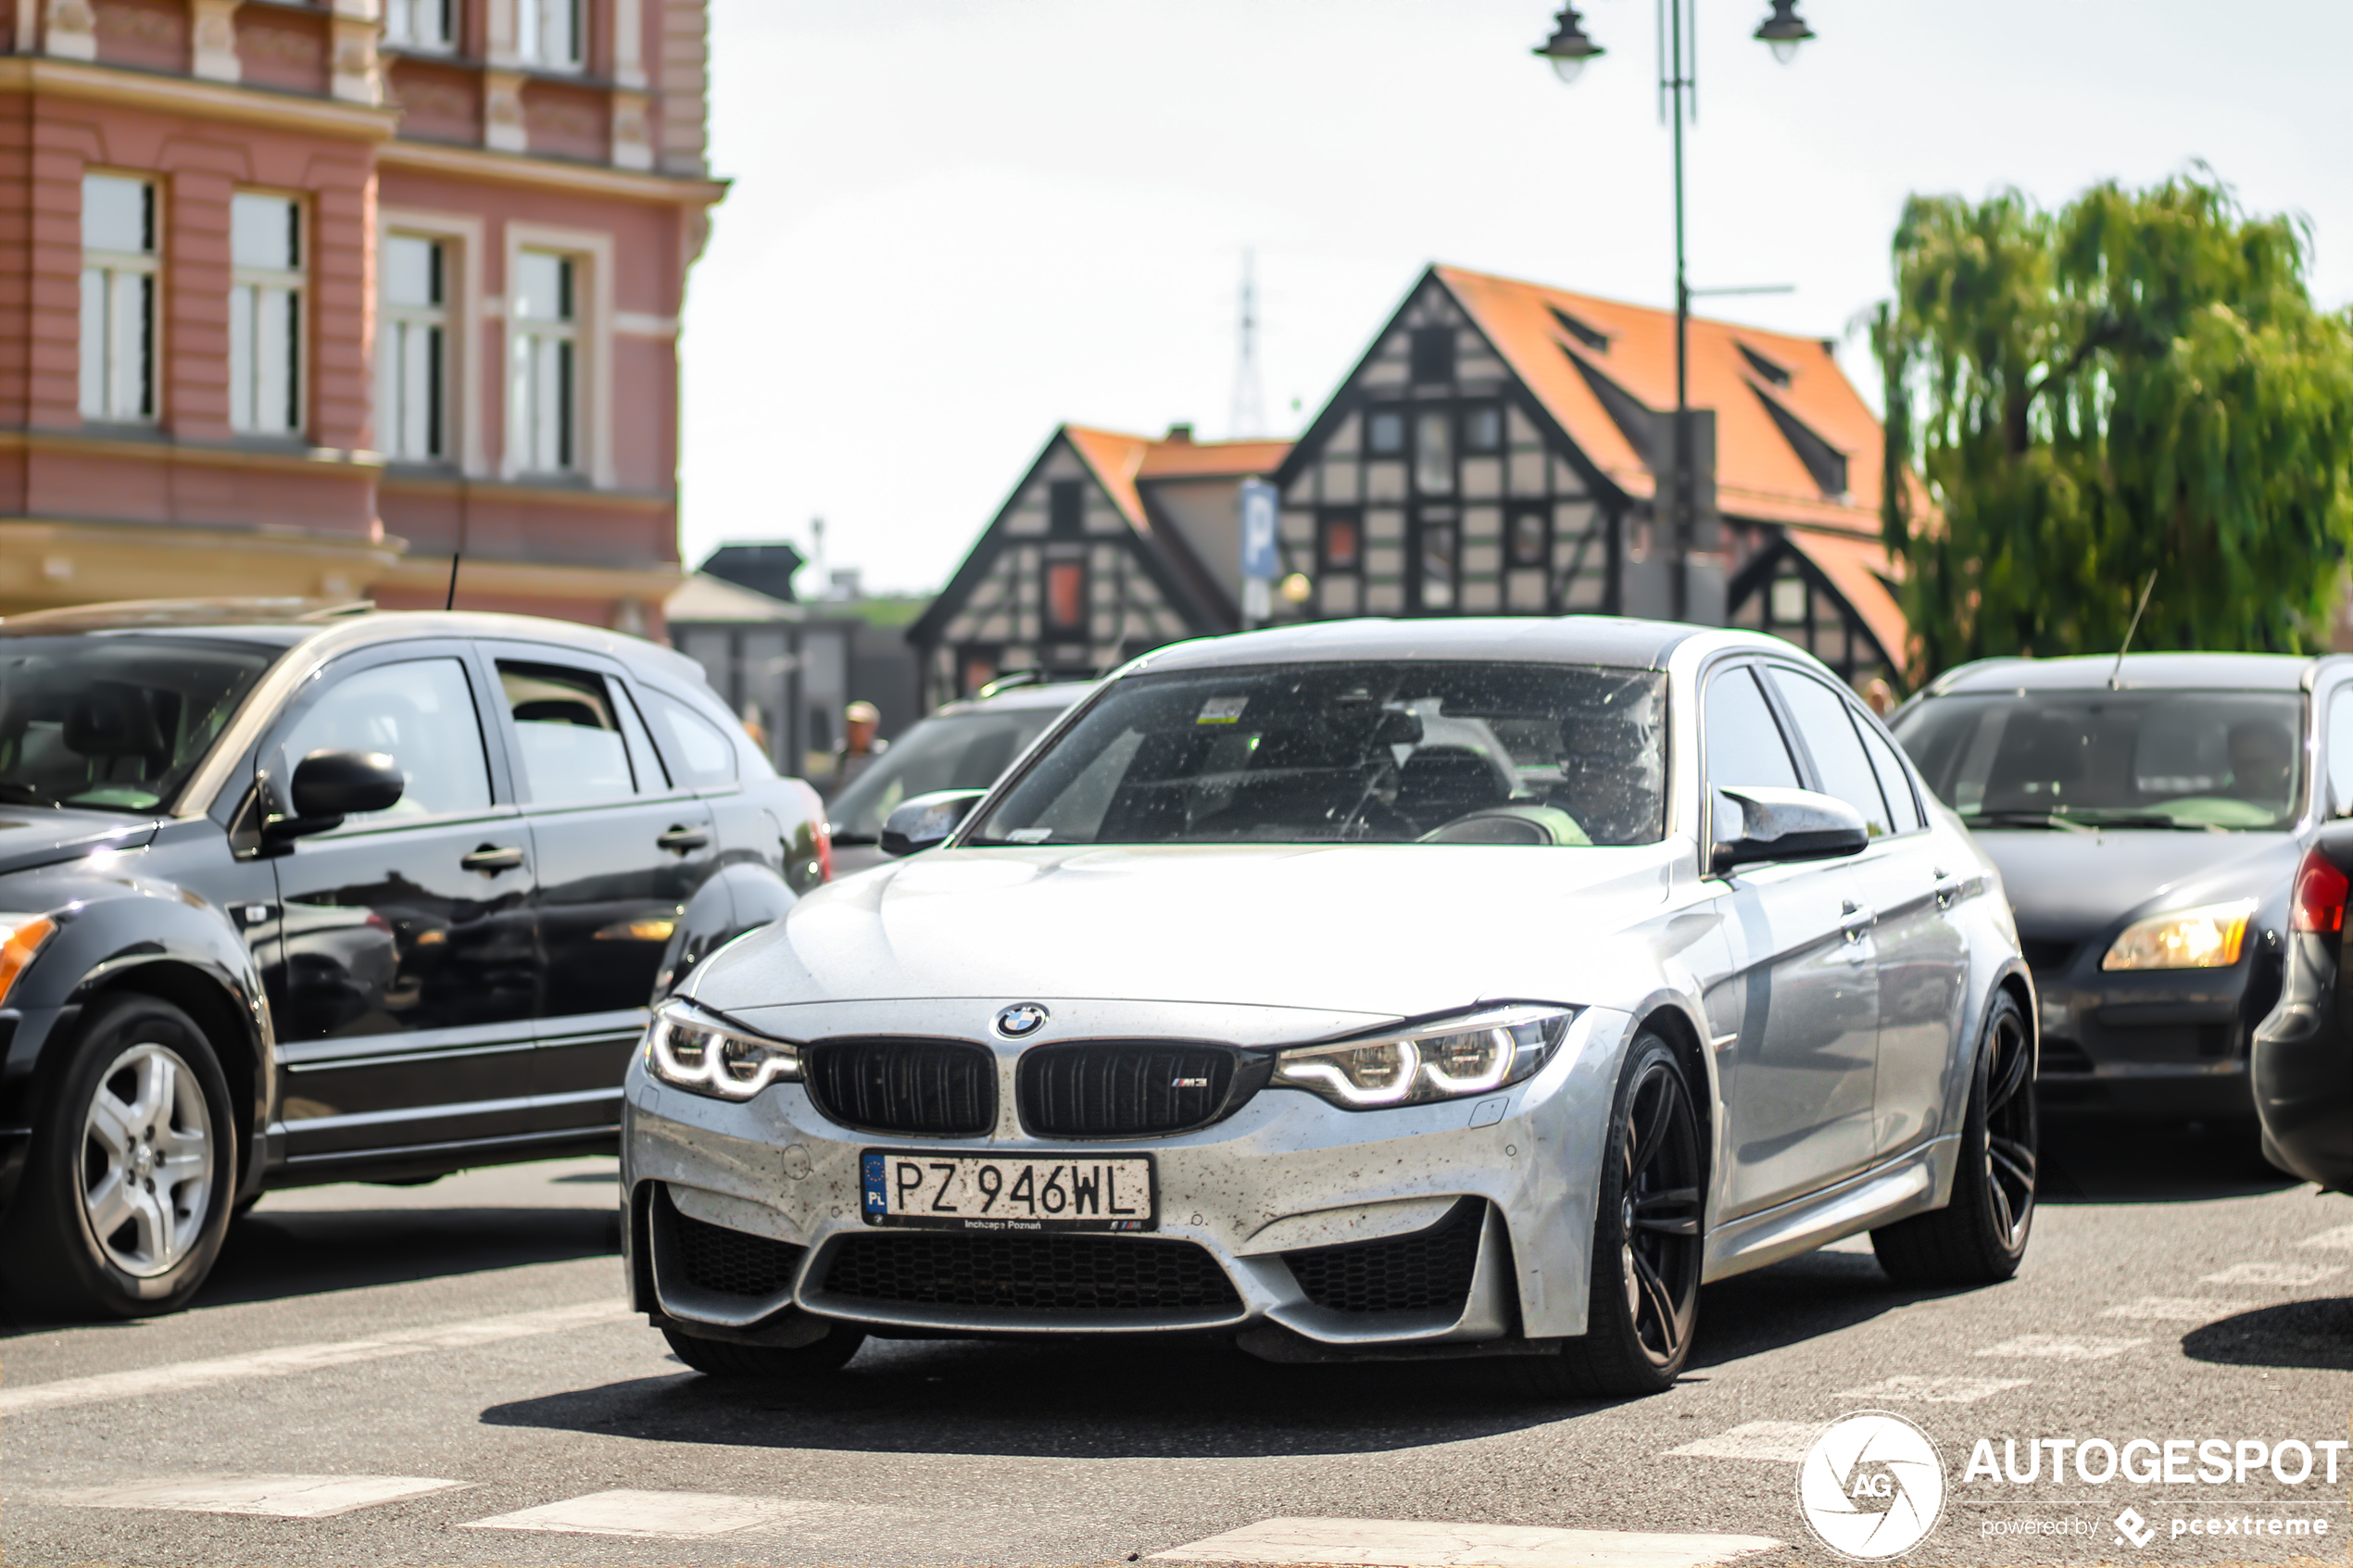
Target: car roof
[290, 622]
[2238, 672]
[1055, 694]
[1569, 639]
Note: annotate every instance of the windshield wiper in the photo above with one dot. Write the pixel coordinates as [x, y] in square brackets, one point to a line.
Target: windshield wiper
[25, 795]
[2025, 819]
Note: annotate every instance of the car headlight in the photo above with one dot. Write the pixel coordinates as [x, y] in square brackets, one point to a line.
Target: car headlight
[693, 1053]
[21, 936]
[1471, 1055]
[2207, 937]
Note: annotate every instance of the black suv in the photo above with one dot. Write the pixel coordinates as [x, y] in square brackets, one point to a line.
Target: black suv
[294, 895]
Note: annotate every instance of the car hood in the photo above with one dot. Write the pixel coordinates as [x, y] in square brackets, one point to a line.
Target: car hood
[33, 836]
[1394, 929]
[2070, 886]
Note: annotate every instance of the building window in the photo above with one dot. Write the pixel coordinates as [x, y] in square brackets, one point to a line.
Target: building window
[265, 315]
[421, 24]
[1434, 453]
[1438, 565]
[542, 416]
[1433, 355]
[1066, 598]
[1343, 543]
[1483, 428]
[413, 322]
[1066, 509]
[551, 34]
[1385, 431]
[1528, 538]
[117, 299]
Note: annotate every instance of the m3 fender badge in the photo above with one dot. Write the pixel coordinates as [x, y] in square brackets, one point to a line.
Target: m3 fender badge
[1021, 1019]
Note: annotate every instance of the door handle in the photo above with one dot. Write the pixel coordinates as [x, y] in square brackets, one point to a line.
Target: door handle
[491, 858]
[1948, 889]
[683, 839]
[1855, 920]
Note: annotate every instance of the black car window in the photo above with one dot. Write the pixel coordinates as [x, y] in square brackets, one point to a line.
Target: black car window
[704, 755]
[950, 751]
[1828, 729]
[568, 736]
[1893, 781]
[643, 760]
[1743, 738]
[114, 722]
[421, 713]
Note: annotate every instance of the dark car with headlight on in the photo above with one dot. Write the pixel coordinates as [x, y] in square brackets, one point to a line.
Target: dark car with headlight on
[1369, 988]
[2148, 818]
[293, 893]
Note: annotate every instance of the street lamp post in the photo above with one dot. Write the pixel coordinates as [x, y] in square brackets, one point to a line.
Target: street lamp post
[1569, 49]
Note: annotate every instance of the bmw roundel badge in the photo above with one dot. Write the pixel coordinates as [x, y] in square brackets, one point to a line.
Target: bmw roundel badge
[1021, 1019]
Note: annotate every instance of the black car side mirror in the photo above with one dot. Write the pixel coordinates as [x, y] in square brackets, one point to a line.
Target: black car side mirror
[926, 820]
[1755, 825]
[331, 785]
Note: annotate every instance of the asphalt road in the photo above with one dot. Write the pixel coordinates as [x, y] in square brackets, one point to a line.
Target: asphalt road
[443, 1374]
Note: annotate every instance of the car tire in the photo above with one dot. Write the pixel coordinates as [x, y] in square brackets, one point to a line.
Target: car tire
[720, 1357]
[128, 1185]
[1979, 1236]
[1643, 1301]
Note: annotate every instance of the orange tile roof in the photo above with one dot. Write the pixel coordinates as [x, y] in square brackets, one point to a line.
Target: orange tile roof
[1859, 570]
[1759, 474]
[1119, 460]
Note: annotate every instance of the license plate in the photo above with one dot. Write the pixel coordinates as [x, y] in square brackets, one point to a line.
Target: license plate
[969, 1192]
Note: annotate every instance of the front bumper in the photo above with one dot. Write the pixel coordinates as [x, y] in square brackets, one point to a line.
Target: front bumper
[1302, 1228]
[2157, 1044]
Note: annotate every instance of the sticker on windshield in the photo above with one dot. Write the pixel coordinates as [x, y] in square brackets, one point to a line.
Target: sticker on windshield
[1221, 710]
[1030, 836]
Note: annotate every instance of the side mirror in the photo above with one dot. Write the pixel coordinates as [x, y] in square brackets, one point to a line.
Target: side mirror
[331, 785]
[927, 820]
[1755, 825]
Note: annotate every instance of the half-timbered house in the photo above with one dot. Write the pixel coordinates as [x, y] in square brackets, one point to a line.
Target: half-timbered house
[1499, 447]
[1110, 544]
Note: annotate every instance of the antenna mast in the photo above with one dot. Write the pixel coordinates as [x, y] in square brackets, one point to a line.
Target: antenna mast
[1249, 417]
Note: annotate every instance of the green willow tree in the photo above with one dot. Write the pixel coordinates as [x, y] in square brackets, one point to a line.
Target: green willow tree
[2138, 383]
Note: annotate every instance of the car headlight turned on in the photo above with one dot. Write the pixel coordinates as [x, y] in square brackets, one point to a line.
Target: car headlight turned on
[689, 1051]
[1472, 1055]
[2207, 937]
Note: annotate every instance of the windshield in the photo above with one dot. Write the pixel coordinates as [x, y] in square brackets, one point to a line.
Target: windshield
[114, 722]
[954, 751]
[1385, 753]
[2131, 759]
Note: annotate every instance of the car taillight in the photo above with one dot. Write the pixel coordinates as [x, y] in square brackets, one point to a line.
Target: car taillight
[2321, 889]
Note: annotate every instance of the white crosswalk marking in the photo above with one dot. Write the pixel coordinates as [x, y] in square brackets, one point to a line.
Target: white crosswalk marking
[652, 1514]
[2171, 1308]
[1935, 1390]
[278, 1496]
[1413, 1543]
[2339, 1238]
[2274, 1274]
[290, 1359]
[1784, 1441]
[2059, 1348]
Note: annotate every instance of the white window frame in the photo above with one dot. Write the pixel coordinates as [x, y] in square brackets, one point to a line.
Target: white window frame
[552, 34]
[591, 254]
[257, 295]
[462, 311]
[424, 26]
[122, 328]
[412, 363]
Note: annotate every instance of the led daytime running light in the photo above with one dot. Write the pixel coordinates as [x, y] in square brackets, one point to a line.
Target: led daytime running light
[1470, 1056]
[684, 1051]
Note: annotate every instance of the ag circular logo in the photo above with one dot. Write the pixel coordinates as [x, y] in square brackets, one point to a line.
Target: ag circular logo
[1021, 1019]
[1871, 1486]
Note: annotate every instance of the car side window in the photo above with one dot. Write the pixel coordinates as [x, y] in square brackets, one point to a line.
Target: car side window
[2340, 801]
[1893, 782]
[705, 757]
[643, 760]
[421, 713]
[569, 736]
[1828, 730]
[1743, 739]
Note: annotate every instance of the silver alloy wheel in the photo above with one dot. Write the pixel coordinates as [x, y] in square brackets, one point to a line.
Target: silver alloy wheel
[147, 1160]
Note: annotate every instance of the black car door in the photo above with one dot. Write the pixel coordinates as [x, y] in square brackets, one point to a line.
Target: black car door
[405, 973]
[621, 851]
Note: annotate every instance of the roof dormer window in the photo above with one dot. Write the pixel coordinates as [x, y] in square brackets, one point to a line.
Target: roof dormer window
[1585, 332]
[1771, 370]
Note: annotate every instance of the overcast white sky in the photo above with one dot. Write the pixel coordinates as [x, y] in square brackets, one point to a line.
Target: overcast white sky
[956, 224]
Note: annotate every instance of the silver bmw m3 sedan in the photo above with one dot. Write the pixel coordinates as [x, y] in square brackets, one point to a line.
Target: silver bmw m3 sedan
[1366, 989]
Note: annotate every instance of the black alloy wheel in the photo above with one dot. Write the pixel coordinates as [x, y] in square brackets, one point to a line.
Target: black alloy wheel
[1643, 1304]
[1979, 1236]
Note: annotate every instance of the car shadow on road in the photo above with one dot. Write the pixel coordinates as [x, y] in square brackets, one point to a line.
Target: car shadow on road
[2302, 1335]
[272, 1255]
[2117, 1160]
